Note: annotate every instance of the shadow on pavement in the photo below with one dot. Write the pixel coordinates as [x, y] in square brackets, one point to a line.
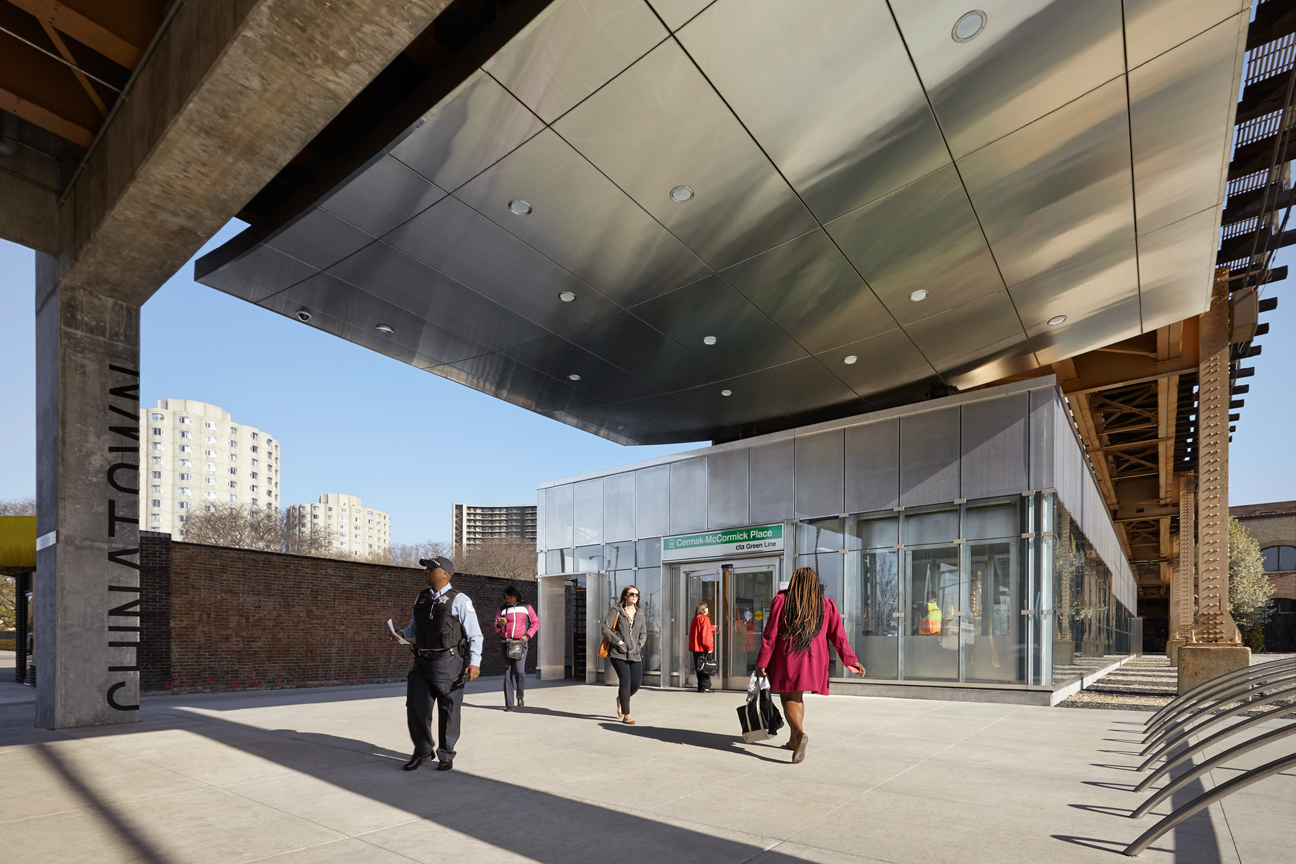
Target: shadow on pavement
[691, 738]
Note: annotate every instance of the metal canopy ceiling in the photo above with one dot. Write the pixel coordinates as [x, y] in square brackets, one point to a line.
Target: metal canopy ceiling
[1068, 160]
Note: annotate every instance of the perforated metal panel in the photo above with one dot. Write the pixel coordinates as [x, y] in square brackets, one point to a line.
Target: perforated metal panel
[1043, 406]
[770, 497]
[688, 495]
[652, 501]
[929, 457]
[873, 466]
[820, 474]
[619, 507]
[542, 540]
[994, 447]
[727, 489]
[558, 517]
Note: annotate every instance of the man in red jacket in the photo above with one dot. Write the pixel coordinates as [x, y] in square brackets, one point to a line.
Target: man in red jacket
[515, 623]
[702, 643]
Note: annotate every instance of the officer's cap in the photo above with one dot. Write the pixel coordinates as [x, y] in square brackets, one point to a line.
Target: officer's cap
[438, 561]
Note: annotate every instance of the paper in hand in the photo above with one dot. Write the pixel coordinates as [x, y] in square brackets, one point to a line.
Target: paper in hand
[392, 628]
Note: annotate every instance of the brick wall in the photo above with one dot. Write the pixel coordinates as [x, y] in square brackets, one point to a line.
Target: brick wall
[217, 619]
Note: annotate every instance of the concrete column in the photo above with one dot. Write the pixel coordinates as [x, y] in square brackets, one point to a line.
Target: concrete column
[1215, 646]
[88, 480]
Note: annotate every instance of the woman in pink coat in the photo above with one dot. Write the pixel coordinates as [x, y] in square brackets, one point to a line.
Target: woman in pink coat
[794, 649]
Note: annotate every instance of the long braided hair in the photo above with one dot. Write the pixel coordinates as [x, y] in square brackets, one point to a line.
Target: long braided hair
[802, 617]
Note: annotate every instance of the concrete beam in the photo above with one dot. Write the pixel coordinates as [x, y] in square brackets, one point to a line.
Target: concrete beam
[233, 91]
[30, 215]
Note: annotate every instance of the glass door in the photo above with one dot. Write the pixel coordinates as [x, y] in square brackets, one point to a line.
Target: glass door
[932, 614]
[702, 584]
[749, 591]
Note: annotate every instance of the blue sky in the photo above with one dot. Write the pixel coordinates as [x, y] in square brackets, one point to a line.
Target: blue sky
[410, 443]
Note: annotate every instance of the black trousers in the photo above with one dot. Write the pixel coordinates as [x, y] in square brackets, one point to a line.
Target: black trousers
[704, 680]
[515, 677]
[629, 676]
[430, 681]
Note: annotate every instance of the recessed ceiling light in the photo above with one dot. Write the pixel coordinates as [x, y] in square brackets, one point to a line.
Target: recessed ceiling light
[520, 207]
[726, 392]
[849, 359]
[969, 26]
[919, 295]
[574, 377]
[680, 194]
[708, 340]
[1056, 320]
[620, 427]
[383, 328]
[567, 296]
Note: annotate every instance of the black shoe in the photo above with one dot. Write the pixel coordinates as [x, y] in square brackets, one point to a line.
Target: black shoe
[508, 708]
[416, 761]
[446, 765]
[521, 704]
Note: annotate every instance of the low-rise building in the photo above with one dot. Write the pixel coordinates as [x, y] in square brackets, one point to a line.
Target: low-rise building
[345, 525]
[1273, 526]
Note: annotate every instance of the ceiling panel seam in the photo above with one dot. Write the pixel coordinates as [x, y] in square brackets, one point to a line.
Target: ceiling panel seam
[1129, 126]
[954, 162]
[821, 227]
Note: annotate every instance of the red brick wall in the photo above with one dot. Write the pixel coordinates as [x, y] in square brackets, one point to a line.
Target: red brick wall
[231, 619]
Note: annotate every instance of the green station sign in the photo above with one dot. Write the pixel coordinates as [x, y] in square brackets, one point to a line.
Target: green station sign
[718, 544]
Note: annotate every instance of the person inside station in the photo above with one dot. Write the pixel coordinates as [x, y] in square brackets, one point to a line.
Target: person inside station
[447, 647]
[930, 622]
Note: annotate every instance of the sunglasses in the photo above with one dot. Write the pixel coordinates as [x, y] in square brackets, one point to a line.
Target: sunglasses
[633, 594]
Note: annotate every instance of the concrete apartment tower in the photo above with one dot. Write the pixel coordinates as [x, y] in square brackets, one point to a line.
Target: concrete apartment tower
[195, 455]
[347, 525]
[474, 525]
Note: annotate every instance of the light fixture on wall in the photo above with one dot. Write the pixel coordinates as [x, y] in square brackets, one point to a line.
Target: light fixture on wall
[567, 297]
[708, 340]
[680, 194]
[919, 295]
[574, 377]
[849, 359]
[520, 207]
[969, 26]
[726, 392]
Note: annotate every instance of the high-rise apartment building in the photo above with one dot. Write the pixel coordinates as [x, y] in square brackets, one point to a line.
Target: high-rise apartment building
[473, 524]
[345, 525]
[194, 455]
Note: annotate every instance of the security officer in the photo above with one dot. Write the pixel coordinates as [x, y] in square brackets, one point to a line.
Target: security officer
[444, 629]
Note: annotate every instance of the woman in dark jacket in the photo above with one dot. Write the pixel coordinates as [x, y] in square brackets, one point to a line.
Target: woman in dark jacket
[626, 630]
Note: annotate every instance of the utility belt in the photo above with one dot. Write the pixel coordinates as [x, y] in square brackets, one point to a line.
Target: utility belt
[459, 650]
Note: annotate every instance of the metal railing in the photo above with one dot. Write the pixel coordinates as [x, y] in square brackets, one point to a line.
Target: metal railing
[1253, 687]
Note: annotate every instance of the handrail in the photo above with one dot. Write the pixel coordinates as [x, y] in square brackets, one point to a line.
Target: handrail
[1173, 704]
[1223, 697]
[1219, 685]
[1201, 745]
[1198, 770]
[1218, 718]
[1206, 799]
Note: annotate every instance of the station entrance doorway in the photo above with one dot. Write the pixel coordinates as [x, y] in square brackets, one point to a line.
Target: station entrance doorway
[738, 595]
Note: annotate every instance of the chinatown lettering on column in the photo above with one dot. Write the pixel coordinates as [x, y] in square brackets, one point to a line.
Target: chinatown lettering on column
[122, 501]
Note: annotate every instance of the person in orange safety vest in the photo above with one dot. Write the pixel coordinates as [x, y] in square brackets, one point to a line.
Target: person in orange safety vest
[930, 623]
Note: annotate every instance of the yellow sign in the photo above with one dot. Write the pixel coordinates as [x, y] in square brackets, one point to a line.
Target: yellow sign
[17, 541]
[759, 614]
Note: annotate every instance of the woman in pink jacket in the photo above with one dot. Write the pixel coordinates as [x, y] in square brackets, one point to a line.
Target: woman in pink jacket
[515, 622]
[794, 649]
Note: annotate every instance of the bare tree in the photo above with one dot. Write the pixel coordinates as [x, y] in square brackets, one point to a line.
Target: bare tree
[408, 554]
[17, 506]
[509, 558]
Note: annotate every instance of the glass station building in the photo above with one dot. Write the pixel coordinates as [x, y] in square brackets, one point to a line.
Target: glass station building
[982, 503]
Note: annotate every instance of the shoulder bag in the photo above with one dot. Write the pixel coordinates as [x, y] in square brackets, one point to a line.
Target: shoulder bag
[606, 645]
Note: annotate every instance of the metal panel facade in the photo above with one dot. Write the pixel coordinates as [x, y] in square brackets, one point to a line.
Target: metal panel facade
[619, 507]
[589, 512]
[727, 489]
[652, 501]
[558, 517]
[1043, 406]
[819, 472]
[994, 447]
[873, 466]
[929, 457]
[771, 481]
[688, 495]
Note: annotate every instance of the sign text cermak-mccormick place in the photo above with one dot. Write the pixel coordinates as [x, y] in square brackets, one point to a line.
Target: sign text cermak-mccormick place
[732, 541]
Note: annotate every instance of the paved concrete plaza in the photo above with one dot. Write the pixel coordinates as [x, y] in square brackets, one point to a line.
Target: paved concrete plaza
[314, 776]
